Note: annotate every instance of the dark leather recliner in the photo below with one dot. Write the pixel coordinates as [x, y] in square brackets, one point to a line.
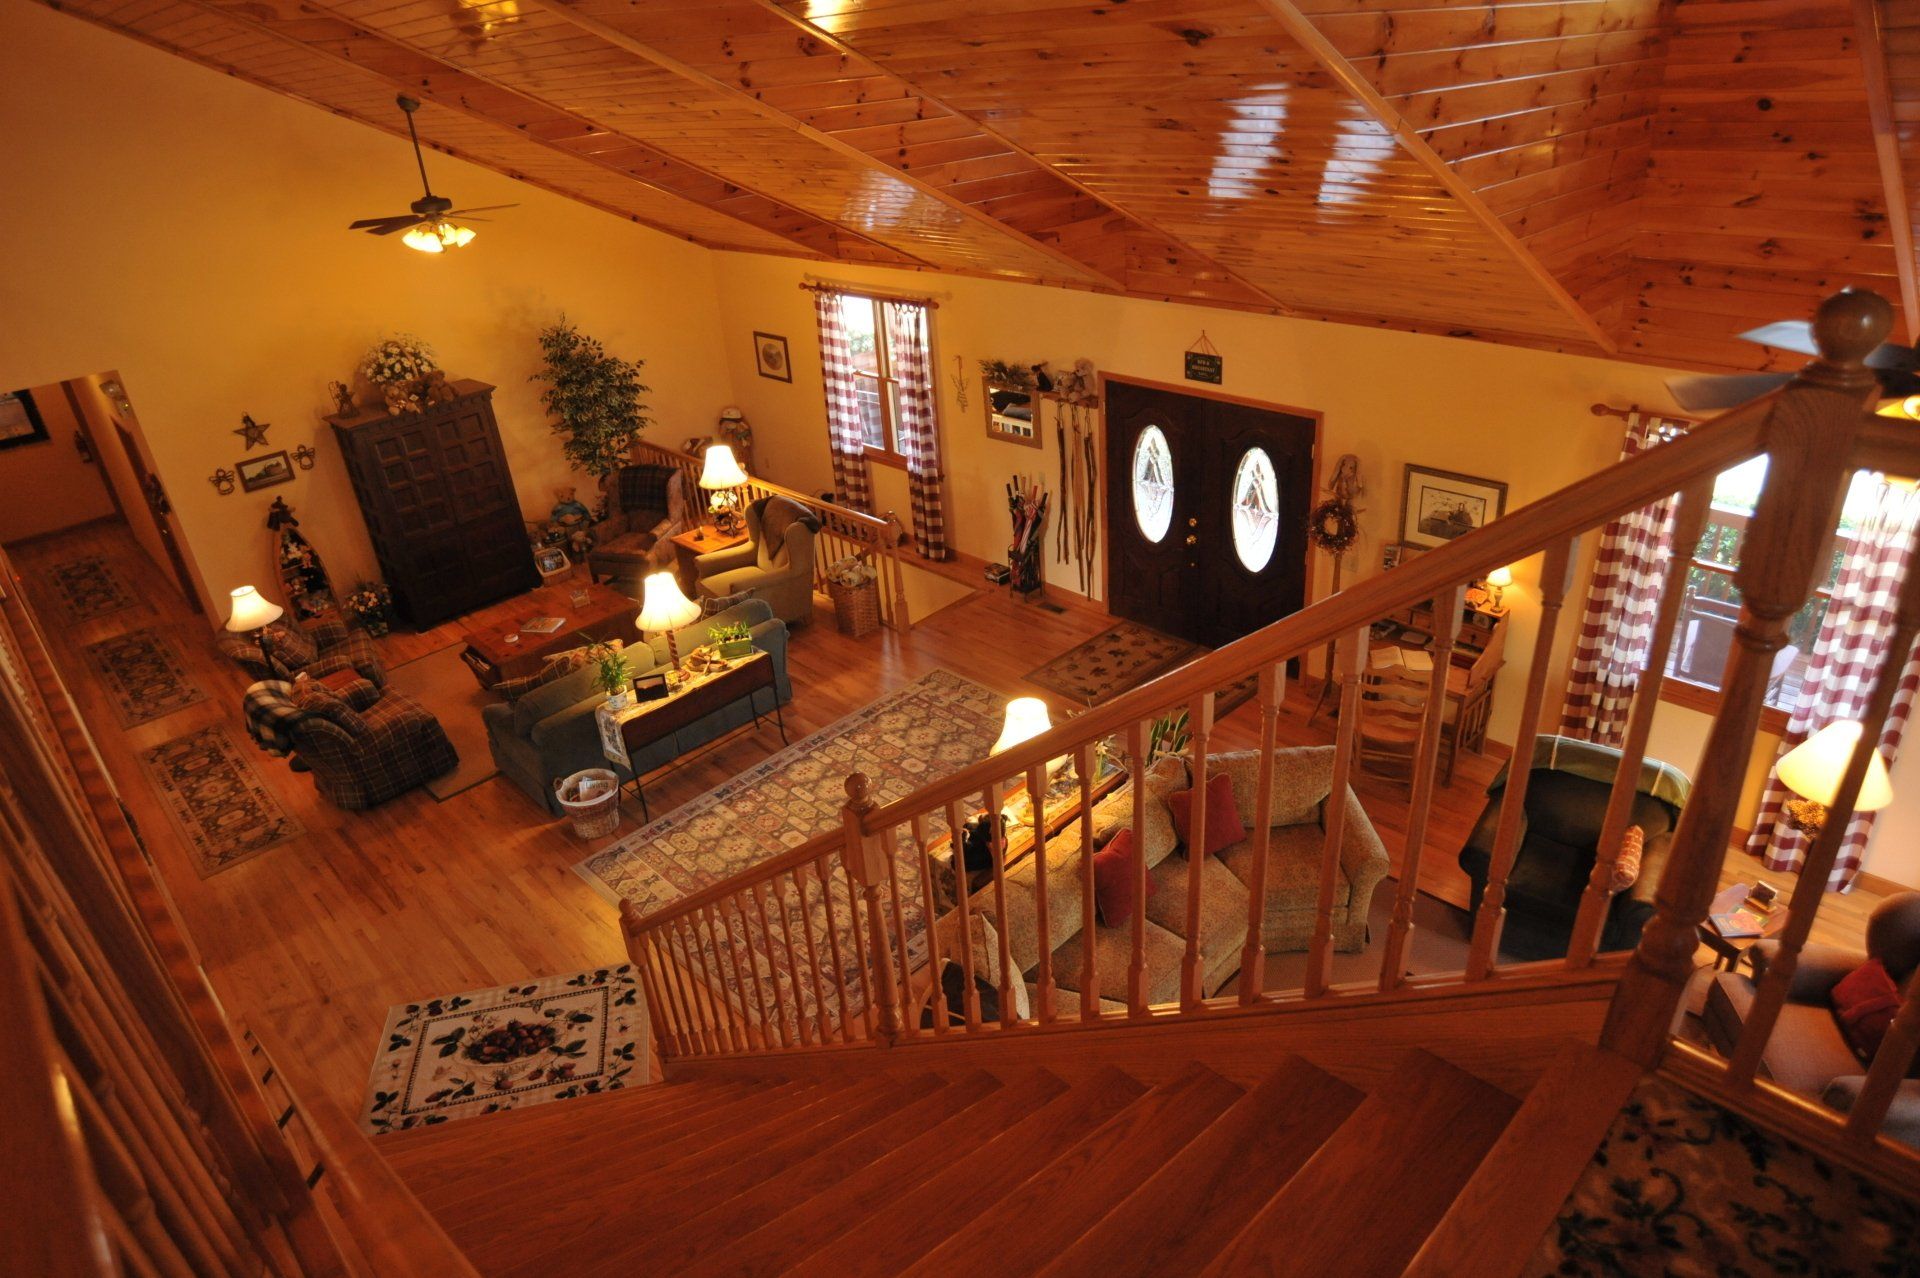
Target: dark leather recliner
[1566, 805]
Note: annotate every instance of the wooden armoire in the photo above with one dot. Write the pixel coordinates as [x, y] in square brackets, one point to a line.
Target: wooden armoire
[439, 504]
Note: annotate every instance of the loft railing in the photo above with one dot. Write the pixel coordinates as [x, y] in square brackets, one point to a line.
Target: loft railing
[843, 532]
[135, 1140]
[756, 965]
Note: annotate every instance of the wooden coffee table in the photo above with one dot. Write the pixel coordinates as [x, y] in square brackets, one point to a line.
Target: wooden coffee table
[606, 614]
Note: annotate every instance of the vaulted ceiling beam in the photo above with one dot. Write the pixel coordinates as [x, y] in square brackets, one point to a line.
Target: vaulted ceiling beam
[1886, 147]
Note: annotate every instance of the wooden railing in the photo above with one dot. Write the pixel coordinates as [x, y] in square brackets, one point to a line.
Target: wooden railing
[843, 532]
[135, 1140]
[737, 969]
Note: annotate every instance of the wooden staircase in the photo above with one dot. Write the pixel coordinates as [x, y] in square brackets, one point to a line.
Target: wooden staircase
[1018, 1171]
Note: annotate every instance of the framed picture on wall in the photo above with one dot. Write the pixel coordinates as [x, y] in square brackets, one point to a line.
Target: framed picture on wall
[264, 472]
[770, 357]
[20, 421]
[1437, 506]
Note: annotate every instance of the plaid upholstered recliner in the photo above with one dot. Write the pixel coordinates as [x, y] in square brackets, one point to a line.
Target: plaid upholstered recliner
[382, 745]
[647, 504]
[321, 648]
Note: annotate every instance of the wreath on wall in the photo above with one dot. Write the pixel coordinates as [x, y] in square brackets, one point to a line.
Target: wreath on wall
[1334, 526]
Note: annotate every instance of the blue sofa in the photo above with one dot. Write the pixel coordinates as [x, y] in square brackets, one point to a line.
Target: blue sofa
[550, 733]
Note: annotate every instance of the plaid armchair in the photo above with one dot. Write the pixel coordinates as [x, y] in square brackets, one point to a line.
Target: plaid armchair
[325, 647]
[647, 504]
[396, 746]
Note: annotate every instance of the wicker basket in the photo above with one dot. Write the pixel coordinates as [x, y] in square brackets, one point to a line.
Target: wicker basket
[856, 609]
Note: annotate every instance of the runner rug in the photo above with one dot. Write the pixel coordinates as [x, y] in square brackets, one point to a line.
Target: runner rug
[484, 1051]
[144, 675]
[89, 587]
[217, 799]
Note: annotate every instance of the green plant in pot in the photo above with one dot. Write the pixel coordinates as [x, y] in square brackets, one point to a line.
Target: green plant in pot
[612, 674]
[592, 397]
[734, 639]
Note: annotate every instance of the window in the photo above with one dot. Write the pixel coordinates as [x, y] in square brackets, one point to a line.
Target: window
[1256, 510]
[1152, 483]
[875, 385]
[1710, 607]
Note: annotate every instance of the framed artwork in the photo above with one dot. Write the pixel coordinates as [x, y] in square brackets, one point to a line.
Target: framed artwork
[20, 421]
[1437, 506]
[264, 471]
[1396, 553]
[551, 561]
[770, 357]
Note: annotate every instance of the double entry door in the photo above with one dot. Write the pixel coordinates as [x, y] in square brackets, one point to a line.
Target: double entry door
[1207, 505]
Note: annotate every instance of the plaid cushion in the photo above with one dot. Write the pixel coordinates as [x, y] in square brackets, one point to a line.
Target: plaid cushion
[714, 605]
[317, 699]
[290, 647]
[644, 488]
[559, 666]
[270, 714]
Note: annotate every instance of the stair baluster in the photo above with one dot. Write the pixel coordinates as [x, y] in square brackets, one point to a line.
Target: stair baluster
[1426, 763]
[1200, 723]
[825, 1026]
[660, 986]
[739, 1031]
[757, 890]
[963, 910]
[890, 848]
[673, 960]
[929, 911]
[1045, 998]
[867, 865]
[998, 841]
[1138, 734]
[1350, 652]
[1556, 578]
[1089, 928]
[1253, 954]
[823, 870]
[659, 1014]
[768, 1027]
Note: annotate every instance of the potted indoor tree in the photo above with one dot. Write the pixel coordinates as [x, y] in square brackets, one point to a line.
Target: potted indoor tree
[592, 397]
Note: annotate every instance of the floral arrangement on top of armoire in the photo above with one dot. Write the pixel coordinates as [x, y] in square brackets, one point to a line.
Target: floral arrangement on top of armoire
[402, 368]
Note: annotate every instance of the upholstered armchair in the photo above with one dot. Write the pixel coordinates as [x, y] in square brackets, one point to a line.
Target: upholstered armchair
[775, 563]
[646, 504]
[1566, 806]
[1807, 1053]
[318, 649]
[364, 750]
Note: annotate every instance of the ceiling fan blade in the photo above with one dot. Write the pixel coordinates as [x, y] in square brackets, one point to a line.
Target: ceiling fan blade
[484, 208]
[1786, 335]
[367, 223]
[397, 226]
[1711, 394]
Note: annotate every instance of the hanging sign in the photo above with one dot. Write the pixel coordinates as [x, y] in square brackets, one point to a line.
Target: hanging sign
[1204, 363]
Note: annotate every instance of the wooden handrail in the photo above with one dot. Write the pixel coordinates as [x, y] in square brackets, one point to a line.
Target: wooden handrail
[793, 858]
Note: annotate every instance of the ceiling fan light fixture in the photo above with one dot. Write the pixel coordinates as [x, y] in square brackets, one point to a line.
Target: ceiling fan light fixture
[423, 237]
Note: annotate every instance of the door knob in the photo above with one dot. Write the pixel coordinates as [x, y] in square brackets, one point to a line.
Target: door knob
[1193, 521]
[1191, 539]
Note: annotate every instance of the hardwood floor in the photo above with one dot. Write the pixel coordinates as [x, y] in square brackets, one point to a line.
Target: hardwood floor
[314, 939]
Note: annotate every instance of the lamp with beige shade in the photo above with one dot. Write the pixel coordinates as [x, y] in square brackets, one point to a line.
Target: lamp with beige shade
[1813, 770]
[664, 608]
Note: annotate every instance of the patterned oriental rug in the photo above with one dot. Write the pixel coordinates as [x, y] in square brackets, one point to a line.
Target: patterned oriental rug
[217, 799]
[484, 1051]
[88, 587]
[144, 673]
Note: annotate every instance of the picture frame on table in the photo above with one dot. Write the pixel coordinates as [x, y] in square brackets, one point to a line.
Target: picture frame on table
[552, 561]
[264, 471]
[1395, 553]
[770, 357]
[1438, 506]
[20, 420]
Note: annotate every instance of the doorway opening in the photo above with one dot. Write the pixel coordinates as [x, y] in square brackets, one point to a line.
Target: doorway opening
[1207, 502]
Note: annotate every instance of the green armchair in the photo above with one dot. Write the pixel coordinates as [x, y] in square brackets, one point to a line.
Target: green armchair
[775, 563]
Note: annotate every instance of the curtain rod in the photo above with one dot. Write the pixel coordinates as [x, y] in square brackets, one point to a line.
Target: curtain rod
[828, 286]
[1608, 410]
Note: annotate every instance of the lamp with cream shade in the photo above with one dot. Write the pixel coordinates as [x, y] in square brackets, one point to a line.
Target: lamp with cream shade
[664, 608]
[253, 611]
[1498, 580]
[723, 477]
[1813, 770]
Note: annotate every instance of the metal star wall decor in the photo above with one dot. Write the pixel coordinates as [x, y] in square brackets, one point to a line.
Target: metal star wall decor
[253, 433]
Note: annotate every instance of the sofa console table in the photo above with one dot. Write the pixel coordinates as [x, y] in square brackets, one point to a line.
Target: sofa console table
[627, 731]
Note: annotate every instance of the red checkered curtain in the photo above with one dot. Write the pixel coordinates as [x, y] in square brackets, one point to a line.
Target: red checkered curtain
[916, 432]
[844, 433]
[1848, 656]
[1616, 632]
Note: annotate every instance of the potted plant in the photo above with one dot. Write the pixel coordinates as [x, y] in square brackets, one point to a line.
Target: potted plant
[593, 397]
[398, 366]
[612, 674]
[371, 604]
[733, 638]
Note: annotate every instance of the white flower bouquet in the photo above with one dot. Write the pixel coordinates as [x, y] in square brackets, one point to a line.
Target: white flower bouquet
[397, 361]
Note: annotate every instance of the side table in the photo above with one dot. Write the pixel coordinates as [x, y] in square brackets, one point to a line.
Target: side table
[629, 730]
[689, 546]
[1729, 950]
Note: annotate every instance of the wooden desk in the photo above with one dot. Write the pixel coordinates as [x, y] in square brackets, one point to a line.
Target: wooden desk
[608, 614]
[689, 546]
[626, 732]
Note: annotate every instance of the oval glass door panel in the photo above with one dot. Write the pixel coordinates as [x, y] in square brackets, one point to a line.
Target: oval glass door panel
[1256, 509]
[1153, 484]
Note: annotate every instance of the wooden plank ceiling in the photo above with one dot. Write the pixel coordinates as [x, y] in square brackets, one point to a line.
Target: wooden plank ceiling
[1641, 177]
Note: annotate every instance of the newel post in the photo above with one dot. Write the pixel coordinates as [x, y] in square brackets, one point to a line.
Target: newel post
[866, 863]
[1810, 433]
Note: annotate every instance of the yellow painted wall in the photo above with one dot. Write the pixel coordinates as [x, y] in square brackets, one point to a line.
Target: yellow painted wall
[45, 486]
[188, 230]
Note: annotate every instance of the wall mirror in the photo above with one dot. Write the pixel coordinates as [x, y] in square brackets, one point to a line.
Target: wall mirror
[1013, 413]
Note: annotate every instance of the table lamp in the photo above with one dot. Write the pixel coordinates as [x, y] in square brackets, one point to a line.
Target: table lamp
[663, 608]
[1813, 770]
[1497, 581]
[254, 611]
[723, 477]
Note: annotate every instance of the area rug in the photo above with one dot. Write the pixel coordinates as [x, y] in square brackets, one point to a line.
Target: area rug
[144, 675]
[445, 685]
[1111, 662]
[89, 587]
[1680, 1186]
[507, 1048]
[217, 799]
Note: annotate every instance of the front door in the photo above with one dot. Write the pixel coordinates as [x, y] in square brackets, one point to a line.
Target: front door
[1207, 506]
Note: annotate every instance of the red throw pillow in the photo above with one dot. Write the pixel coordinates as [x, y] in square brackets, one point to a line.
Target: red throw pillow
[1224, 827]
[1865, 1002]
[1114, 878]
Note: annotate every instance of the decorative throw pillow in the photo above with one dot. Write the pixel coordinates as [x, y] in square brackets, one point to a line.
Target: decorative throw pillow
[714, 605]
[322, 702]
[289, 649]
[1224, 826]
[559, 666]
[1115, 880]
[1865, 1001]
[1626, 867]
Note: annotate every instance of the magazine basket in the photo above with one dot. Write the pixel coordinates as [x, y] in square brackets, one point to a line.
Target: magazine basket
[856, 609]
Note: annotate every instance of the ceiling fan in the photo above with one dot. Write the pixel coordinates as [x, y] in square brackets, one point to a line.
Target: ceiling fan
[429, 228]
[1897, 367]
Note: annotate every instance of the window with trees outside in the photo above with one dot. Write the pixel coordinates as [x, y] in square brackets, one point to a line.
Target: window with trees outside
[875, 385]
[1710, 608]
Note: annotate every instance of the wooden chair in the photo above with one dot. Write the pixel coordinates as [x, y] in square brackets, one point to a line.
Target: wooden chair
[1393, 705]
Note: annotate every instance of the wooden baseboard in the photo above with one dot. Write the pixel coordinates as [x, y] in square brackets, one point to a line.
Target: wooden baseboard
[1881, 887]
[70, 529]
[971, 570]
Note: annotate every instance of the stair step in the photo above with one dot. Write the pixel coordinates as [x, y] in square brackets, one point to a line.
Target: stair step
[912, 1224]
[1366, 1201]
[1496, 1222]
[1183, 1214]
[1059, 1202]
[693, 1235]
[676, 1099]
[804, 1226]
